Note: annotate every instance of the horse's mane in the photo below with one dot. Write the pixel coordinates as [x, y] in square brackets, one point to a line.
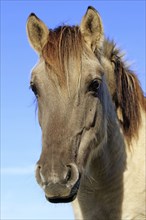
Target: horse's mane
[67, 41]
[128, 95]
[64, 42]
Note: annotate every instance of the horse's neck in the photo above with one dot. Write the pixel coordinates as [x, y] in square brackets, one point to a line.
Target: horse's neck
[114, 186]
[134, 177]
[110, 162]
[101, 188]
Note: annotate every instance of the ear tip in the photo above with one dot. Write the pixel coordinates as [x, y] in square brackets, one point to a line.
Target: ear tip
[92, 8]
[32, 15]
[93, 11]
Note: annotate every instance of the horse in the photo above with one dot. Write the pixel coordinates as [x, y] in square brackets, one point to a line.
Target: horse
[91, 111]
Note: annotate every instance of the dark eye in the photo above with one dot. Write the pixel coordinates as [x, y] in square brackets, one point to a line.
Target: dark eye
[34, 89]
[94, 86]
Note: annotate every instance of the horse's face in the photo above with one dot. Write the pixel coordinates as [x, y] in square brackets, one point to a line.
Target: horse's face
[71, 111]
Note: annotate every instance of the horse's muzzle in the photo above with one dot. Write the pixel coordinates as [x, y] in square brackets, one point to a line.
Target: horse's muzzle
[59, 188]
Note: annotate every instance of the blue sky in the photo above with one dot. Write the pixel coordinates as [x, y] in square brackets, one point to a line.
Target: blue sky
[21, 197]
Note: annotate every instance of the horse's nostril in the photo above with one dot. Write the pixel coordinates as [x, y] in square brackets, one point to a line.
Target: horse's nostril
[39, 166]
[72, 174]
[68, 176]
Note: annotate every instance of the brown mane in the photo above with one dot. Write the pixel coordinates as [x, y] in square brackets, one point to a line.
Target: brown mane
[128, 96]
[66, 41]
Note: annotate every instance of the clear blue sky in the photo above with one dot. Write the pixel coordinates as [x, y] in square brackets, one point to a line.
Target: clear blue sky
[21, 197]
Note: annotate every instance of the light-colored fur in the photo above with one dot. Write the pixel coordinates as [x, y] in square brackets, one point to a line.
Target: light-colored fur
[134, 195]
[134, 200]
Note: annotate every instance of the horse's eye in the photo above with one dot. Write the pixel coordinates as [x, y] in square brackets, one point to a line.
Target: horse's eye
[94, 86]
[34, 89]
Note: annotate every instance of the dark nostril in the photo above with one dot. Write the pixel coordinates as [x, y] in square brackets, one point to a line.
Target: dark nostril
[72, 174]
[39, 167]
[68, 176]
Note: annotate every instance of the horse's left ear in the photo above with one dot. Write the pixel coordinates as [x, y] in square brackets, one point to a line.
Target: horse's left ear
[37, 32]
[92, 29]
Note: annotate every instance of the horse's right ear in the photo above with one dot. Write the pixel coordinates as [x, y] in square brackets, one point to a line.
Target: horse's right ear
[37, 32]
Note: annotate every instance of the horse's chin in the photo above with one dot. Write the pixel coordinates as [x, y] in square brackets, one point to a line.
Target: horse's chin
[66, 199]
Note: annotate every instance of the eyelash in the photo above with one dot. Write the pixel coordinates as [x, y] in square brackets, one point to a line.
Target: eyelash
[34, 89]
